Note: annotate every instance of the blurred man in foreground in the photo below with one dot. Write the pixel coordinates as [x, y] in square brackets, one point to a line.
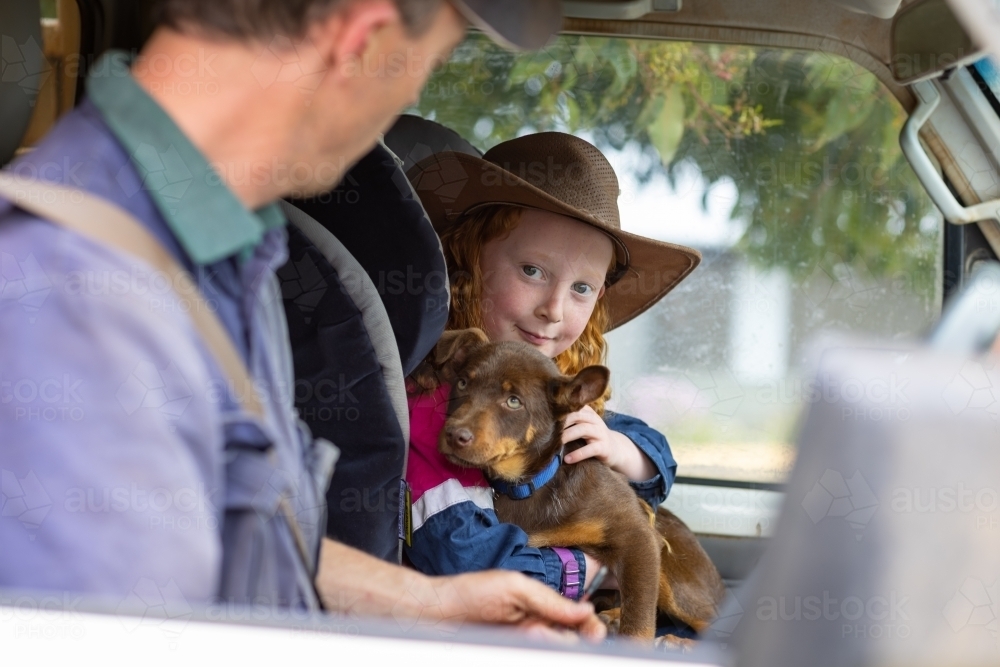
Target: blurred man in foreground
[157, 471]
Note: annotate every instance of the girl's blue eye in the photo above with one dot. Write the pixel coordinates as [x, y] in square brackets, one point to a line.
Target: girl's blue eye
[531, 271]
[583, 289]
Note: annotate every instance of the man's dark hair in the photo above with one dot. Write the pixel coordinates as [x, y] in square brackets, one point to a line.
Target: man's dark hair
[263, 19]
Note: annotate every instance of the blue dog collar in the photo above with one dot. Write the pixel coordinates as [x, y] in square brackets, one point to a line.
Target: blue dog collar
[522, 491]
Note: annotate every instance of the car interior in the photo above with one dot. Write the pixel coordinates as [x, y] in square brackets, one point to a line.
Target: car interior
[837, 163]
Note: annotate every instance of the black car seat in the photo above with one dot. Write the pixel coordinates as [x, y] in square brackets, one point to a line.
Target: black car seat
[366, 297]
[413, 138]
[22, 65]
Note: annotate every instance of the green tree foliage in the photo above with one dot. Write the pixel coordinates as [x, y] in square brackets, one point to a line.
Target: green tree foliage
[809, 139]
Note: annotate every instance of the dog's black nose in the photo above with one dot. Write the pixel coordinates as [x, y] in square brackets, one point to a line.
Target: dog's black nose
[460, 436]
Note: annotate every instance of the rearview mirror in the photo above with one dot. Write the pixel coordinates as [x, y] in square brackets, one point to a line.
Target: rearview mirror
[927, 39]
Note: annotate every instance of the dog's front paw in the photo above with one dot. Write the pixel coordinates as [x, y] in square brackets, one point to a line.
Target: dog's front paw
[674, 643]
[612, 618]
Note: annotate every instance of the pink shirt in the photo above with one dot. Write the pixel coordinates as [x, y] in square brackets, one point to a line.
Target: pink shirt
[426, 467]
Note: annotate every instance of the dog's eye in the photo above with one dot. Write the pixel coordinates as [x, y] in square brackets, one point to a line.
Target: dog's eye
[462, 383]
[514, 403]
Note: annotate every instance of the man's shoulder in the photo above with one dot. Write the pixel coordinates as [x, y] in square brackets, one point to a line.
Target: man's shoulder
[82, 152]
[69, 299]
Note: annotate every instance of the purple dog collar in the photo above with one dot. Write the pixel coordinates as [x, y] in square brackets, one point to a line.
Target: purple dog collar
[571, 573]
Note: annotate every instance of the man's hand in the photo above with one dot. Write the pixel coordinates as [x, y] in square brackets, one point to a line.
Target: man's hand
[352, 582]
[510, 598]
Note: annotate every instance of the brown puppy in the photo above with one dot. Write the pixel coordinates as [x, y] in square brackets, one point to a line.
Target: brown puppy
[505, 416]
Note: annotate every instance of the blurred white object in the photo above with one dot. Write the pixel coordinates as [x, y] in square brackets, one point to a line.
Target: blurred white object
[49, 628]
[885, 552]
[982, 19]
[884, 9]
[971, 320]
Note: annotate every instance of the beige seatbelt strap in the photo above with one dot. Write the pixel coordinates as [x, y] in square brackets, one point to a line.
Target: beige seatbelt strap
[101, 221]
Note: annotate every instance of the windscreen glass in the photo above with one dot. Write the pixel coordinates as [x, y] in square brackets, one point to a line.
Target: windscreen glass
[782, 167]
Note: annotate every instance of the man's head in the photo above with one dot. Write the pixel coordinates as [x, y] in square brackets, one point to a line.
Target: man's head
[518, 24]
[332, 74]
[265, 19]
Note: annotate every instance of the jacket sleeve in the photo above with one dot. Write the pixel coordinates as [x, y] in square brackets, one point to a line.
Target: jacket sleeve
[653, 444]
[455, 531]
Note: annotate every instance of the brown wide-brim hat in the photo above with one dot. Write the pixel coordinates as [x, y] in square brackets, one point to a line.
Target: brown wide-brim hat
[563, 174]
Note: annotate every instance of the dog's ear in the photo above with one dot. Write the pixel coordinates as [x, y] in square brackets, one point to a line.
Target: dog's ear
[455, 346]
[572, 393]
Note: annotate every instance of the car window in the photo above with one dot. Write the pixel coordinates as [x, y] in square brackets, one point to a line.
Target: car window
[782, 167]
[987, 75]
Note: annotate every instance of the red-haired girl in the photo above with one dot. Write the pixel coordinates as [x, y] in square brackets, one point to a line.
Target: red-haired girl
[535, 252]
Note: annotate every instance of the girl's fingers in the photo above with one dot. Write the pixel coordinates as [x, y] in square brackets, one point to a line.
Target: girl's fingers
[577, 455]
[577, 432]
[577, 419]
[585, 415]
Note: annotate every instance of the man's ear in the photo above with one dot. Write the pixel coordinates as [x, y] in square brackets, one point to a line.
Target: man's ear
[344, 36]
[455, 346]
[573, 393]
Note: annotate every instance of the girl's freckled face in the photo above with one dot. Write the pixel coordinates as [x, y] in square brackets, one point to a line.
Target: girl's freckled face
[542, 281]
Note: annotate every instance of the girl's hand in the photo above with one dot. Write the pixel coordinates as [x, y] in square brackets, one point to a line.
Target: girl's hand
[609, 447]
[610, 583]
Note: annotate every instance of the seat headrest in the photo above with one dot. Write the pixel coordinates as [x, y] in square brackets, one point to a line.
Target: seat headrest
[413, 138]
[23, 69]
[375, 214]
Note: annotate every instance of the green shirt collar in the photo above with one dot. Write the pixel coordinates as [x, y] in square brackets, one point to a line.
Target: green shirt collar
[205, 216]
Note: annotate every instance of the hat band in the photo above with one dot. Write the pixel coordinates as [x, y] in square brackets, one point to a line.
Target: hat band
[621, 263]
[616, 274]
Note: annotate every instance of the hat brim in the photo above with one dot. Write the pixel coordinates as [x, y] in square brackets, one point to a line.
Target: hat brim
[452, 184]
